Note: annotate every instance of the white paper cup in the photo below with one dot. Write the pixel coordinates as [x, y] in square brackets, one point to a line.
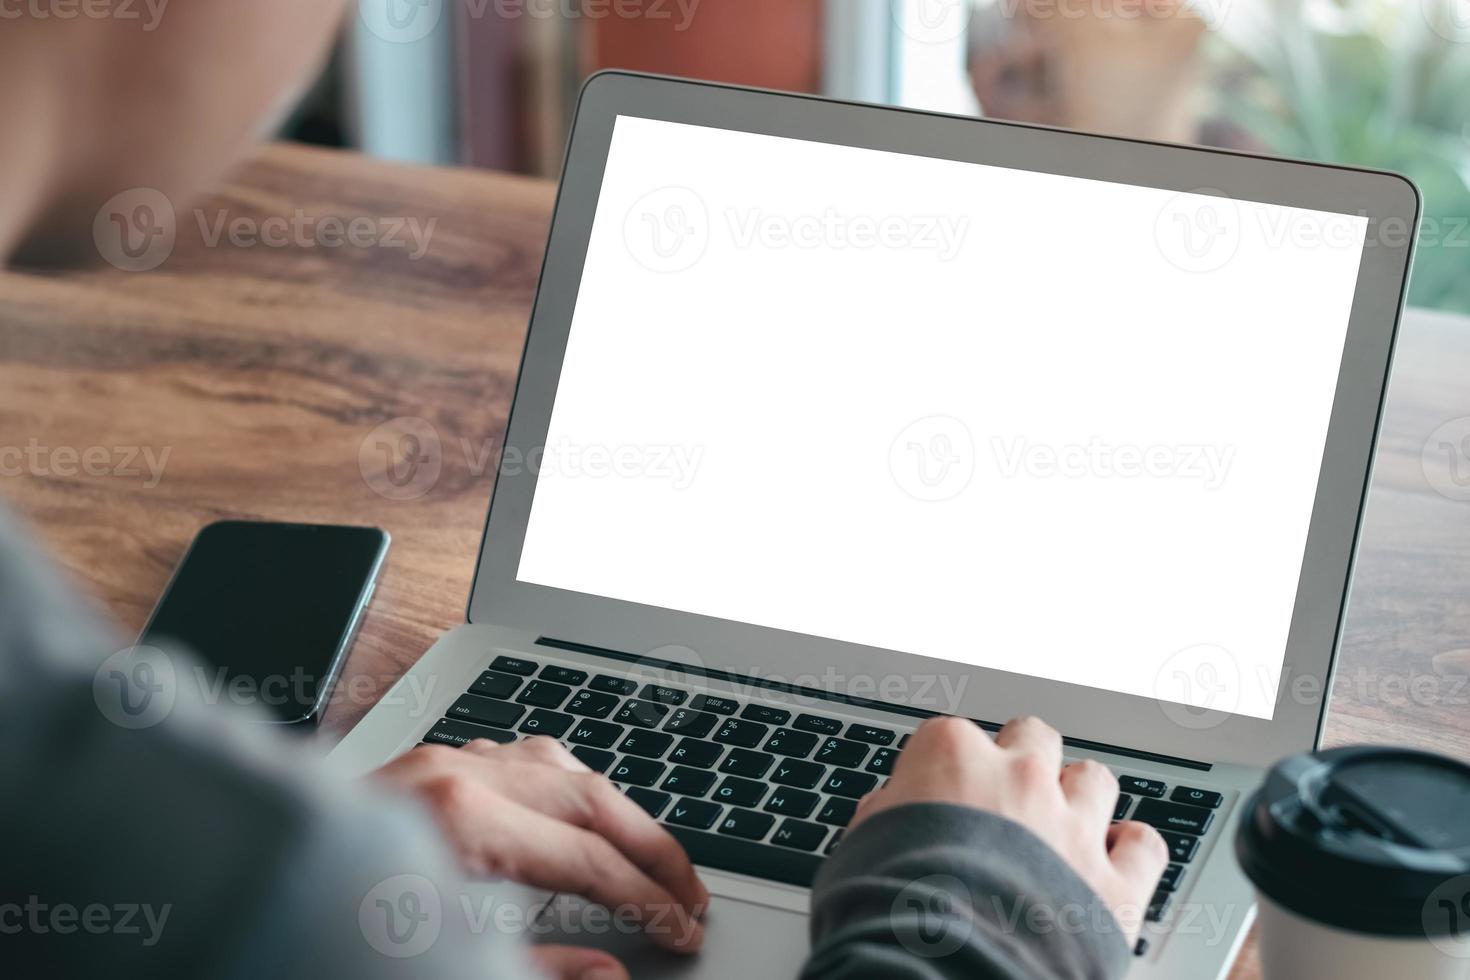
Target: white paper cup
[1296, 948]
[1361, 862]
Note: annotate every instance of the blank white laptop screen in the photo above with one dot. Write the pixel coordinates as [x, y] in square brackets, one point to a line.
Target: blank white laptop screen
[1054, 426]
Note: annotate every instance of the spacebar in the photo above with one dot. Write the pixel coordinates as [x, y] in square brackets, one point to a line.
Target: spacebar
[748, 858]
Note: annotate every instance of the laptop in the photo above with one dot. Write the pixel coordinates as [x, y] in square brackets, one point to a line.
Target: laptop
[833, 417]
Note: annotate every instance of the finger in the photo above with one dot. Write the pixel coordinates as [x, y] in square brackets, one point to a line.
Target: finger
[866, 804]
[501, 838]
[1139, 854]
[628, 827]
[576, 963]
[539, 749]
[590, 802]
[945, 740]
[1092, 789]
[1029, 735]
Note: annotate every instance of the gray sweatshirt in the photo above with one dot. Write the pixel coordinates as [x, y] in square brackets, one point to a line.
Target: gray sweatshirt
[206, 846]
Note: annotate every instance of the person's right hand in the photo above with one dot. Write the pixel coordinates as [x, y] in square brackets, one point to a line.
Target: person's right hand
[951, 760]
[532, 813]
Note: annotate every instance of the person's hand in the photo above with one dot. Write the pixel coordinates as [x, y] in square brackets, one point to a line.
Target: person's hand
[951, 760]
[532, 813]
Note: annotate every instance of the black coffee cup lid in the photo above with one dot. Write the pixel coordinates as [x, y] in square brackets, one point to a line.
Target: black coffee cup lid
[1361, 838]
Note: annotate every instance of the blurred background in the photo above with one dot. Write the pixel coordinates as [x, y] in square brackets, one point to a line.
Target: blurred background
[1380, 83]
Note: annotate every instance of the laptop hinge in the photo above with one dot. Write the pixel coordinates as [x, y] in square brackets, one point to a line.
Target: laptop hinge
[814, 693]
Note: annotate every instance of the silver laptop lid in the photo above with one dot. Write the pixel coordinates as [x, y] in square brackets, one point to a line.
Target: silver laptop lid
[954, 414]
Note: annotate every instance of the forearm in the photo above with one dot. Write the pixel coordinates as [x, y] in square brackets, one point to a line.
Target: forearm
[935, 891]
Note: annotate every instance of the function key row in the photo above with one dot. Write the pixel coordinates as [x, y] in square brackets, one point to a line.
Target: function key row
[500, 681]
[1155, 789]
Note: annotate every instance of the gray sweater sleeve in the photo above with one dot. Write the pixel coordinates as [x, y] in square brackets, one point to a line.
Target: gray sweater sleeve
[970, 894]
[201, 845]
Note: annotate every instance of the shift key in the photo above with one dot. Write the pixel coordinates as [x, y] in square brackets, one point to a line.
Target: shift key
[1174, 816]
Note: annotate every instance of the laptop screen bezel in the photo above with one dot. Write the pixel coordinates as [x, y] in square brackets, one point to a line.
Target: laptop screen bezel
[1391, 204]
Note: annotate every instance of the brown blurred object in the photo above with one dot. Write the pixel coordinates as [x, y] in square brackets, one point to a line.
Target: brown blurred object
[1121, 67]
[767, 43]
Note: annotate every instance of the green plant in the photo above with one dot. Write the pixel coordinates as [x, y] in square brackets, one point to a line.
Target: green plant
[1376, 83]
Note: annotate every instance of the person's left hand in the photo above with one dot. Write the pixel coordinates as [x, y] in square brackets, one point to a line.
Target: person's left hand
[532, 813]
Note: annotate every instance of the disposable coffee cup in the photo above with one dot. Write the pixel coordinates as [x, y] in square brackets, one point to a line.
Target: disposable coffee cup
[1361, 862]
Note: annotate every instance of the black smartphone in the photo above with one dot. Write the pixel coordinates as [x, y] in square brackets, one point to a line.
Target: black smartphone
[269, 611]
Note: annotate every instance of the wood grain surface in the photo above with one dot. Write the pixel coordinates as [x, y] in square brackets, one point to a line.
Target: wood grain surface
[264, 371]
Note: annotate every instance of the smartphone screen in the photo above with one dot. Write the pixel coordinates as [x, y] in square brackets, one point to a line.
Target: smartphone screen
[268, 611]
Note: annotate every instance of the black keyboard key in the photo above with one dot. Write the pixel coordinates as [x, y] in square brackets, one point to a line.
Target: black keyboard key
[543, 722]
[1120, 809]
[840, 752]
[693, 752]
[594, 759]
[699, 814]
[456, 733]
[715, 850]
[871, 735]
[799, 834]
[514, 665]
[1174, 816]
[1157, 907]
[1182, 847]
[845, 782]
[695, 724]
[786, 742]
[649, 745]
[747, 763]
[544, 694]
[903, 743]
[499, 714]
[637, 772]
[818, 724]
[598, 734]
[494, 685]
[792, 802]
[741, 792]
[663, 695]
[765, 713]
[650, 799]
[838, 811]
[836, 839]
[613, 685]
[882, 762]
[644, 714]
[1197, 797]
[709, 702]
[1141, 947]
[1169, 881]
[593, 704]
[804, 775]
[746, 734]
[689, 782]
[746, 823]
[564, 675]
[1139, 786]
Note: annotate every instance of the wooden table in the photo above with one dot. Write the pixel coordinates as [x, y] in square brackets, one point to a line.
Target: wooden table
[262, 371]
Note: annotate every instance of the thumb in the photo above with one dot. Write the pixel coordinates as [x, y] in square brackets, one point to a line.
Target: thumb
[576, 963]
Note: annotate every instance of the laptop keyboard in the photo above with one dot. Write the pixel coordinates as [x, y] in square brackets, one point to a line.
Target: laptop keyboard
[747, 787]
